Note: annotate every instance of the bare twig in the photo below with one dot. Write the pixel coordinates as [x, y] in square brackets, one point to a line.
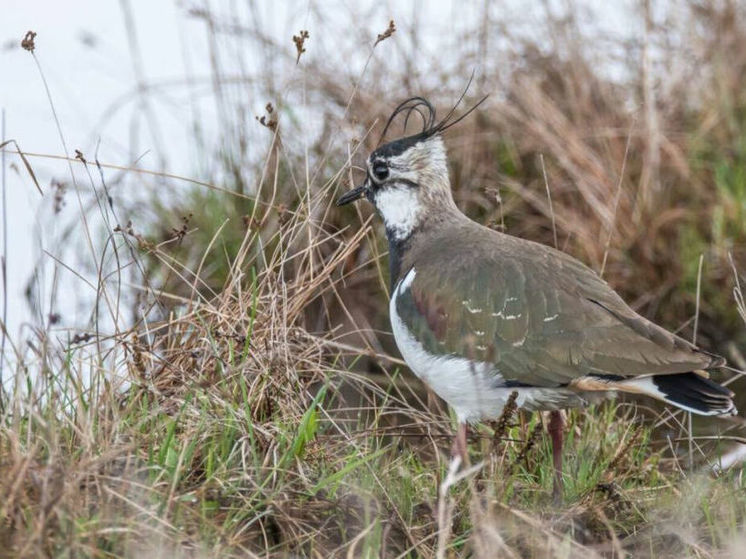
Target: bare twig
[549, 198]
[618, 195]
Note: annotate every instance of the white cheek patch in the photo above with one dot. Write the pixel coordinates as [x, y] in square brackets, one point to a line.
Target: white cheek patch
[400, 208]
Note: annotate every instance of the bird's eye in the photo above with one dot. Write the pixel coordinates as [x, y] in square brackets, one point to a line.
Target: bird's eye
[380, 170]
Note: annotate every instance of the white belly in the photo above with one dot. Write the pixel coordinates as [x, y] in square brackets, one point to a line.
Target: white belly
[471, 388]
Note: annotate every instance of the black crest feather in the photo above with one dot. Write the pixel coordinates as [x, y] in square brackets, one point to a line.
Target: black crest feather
[426, 110]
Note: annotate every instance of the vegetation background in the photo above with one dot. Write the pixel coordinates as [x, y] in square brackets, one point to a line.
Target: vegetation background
[209, 371]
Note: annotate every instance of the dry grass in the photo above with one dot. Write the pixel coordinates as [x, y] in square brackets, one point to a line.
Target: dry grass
[236, 393]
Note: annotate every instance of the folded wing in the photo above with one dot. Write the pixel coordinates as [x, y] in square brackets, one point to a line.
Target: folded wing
[541, 317]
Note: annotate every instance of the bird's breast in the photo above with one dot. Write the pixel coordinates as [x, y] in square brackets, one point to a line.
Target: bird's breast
[472, 388]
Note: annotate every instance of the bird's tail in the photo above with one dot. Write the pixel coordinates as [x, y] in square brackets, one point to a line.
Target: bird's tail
[693, 392]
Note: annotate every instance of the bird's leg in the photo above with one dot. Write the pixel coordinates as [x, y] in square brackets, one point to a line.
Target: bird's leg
[556, 430]
[459, 444]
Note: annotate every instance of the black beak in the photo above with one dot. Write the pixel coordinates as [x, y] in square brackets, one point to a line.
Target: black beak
[354, 194]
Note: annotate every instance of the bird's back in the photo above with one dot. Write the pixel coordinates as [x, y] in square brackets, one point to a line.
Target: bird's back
[539, 315]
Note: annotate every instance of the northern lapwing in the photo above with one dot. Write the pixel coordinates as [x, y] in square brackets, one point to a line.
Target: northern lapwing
[478, 314]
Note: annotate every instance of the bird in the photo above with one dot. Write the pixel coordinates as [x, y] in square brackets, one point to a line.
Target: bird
[478, 314]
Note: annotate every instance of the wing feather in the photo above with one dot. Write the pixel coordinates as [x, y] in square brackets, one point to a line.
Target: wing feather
[540, 316]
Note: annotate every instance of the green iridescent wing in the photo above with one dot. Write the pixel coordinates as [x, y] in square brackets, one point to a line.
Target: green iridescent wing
[540, 316]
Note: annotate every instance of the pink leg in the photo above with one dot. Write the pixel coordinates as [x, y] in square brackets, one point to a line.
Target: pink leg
[459, 444]
[556, 430]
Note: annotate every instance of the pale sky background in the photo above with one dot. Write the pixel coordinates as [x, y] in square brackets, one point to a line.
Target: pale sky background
[87, 59]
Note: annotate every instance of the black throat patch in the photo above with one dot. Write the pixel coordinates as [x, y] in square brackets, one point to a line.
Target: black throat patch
[397, 249]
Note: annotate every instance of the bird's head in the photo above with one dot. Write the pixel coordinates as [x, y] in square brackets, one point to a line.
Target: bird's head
[407, 179]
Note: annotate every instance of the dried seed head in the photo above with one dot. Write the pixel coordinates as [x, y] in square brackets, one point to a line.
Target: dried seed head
[81, 338]
[28, 41]
[506, 416]
[300, 40]
[269, 120]
[59, 195]
[390, 30]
